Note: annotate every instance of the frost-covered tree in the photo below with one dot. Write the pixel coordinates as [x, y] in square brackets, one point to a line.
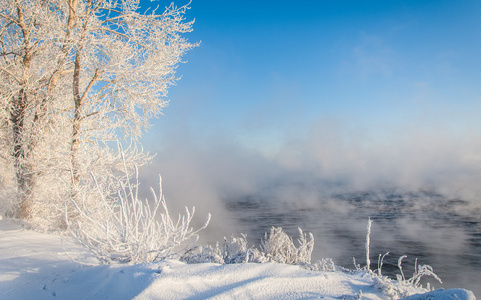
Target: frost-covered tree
[31, 56]
[76, 76]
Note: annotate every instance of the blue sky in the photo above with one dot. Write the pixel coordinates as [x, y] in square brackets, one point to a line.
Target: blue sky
[266, 70]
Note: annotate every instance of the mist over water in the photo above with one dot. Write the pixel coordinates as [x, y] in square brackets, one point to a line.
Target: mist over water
[427, 226]
[421, 189]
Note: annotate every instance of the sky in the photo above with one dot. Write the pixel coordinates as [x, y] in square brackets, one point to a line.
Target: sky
[268, 70]
[359, 92]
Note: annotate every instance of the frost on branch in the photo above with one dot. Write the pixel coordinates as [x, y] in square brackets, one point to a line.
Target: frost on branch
[131, 231]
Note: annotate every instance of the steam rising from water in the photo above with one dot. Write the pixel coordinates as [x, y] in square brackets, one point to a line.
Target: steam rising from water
[421, 187]
[331, 157]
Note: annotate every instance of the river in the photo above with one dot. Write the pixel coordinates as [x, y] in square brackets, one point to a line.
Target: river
[435, 230]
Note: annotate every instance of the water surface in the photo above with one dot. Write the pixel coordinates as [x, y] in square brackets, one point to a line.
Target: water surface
[439, 231]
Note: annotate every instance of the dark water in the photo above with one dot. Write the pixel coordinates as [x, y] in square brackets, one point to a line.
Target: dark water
[442, 232]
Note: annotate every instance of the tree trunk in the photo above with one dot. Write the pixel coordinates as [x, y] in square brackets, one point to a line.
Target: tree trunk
[23, 167]
[75, 142]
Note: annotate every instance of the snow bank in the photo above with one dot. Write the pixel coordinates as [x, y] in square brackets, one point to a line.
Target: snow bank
[36, 266]
[442, 294]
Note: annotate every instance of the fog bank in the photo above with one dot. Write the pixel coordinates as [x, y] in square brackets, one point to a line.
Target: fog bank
[308, 169]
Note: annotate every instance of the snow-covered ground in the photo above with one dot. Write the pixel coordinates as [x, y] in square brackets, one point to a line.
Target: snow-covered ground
[45, 266]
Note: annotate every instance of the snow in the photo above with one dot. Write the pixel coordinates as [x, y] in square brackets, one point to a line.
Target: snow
[45, 266]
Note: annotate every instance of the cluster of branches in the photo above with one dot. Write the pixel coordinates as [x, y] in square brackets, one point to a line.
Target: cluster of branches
[76, 75]
[134, 231]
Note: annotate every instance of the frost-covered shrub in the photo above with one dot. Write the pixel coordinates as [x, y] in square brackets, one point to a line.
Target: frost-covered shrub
[277, 247]
[400, 287]
[129, 230]
[230, 252]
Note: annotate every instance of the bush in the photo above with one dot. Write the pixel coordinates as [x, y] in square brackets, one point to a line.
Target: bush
[277, 247]
[231, 252]
[129, 230]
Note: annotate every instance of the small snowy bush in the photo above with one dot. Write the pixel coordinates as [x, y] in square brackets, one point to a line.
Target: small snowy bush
[400, 287]
[276, 247]
[131, 231]
[234, 251]
[279, 247]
